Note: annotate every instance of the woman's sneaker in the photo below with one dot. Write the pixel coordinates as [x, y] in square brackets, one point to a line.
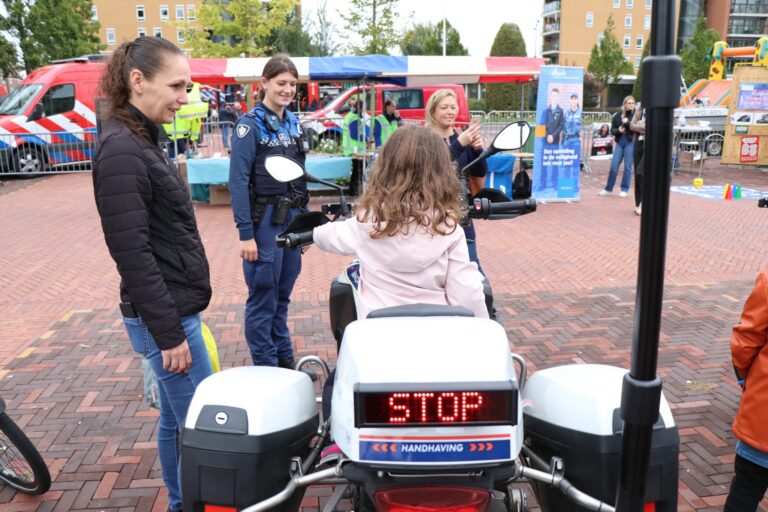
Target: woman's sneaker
[622, 194]
[639, 210]
[604, 193]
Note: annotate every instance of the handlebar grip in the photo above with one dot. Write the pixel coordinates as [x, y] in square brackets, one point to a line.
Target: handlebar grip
[521, 206]
[294, 240]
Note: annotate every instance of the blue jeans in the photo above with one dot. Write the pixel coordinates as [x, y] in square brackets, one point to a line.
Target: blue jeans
[225, 137]
[469, 233]
[270, 281]
[176, 390]
[622, 150]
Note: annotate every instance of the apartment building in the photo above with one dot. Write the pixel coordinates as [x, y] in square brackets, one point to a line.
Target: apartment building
[570, 28]
[739, 22]
[126, 20]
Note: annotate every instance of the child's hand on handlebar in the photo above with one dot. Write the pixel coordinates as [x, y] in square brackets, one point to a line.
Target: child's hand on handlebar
[248, 250]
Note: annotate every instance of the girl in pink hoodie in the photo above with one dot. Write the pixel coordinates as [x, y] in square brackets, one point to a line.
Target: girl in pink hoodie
[405, 232]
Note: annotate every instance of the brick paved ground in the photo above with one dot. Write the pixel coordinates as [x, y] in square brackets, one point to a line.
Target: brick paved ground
[564, 281]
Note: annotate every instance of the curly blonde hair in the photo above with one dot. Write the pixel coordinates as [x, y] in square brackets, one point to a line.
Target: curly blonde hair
[413, 182]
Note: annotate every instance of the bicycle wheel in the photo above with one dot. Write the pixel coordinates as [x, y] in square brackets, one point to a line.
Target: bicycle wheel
[21, 465]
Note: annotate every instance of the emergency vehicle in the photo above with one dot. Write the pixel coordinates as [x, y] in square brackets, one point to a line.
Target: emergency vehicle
[49, 119]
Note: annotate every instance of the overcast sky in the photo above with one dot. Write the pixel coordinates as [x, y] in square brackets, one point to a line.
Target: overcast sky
[476, 20]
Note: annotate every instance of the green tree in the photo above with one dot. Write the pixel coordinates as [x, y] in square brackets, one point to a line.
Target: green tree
[427, 39]
[291, 38]
[9, 62]
[607, 61]
[694, 53]
[372, 25]
[63, 29]
[47, 30]
[322, 31]
[509, 42]
[237, 27]
[637, 88]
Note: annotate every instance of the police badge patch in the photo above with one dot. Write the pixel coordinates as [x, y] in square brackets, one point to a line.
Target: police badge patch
[242, 130]
[284, 139]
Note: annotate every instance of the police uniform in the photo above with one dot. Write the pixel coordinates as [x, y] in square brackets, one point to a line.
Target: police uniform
[572, 139]
[263, 207]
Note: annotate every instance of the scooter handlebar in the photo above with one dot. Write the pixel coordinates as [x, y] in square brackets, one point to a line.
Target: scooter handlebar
[483, 208]
[294, 240]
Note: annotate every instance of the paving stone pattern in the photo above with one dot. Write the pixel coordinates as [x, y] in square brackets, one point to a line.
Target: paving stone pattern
[564, 280]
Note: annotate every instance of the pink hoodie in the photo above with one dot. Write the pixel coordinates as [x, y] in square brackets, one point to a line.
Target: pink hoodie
[406, 269]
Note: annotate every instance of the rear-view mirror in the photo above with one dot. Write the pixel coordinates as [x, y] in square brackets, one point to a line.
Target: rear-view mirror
[513, 137]
[283, 169]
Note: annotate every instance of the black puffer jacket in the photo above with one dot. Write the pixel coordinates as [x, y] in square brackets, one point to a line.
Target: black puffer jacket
[150, 230]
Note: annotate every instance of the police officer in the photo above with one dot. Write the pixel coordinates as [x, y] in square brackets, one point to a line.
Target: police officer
[353, 144]
[572, 134]
[385, 124]
[263, 207]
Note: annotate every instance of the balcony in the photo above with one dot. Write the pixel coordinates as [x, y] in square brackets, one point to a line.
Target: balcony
[550, 8]
[548, 48]
[753, 8]
[551, 28]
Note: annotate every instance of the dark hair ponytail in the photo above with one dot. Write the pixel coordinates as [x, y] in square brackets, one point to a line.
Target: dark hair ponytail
[147, 54]
[280, 63]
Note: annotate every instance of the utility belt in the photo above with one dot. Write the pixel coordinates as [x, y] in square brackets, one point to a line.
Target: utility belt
[282, 204]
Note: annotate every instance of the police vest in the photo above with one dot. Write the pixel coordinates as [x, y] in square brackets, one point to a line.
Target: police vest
[178, 129]
[387, 128]
[276, 137]
[349, 145]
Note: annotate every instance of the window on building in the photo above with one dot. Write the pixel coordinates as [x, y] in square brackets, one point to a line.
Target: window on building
[191, 12]
[648, 4]
[164, 13]
[157, 32]
[630, 4]
[745, 26]
[639, 42]
[628, 21]
[600, 38]
[142, 32]
[58, 100]
[627, 42]
[94, 13]
[647, 22]
[111, 36]
[179, 12]
[179, 35]
[590, 20]
[140, 13]
[616, 4]
[637, 61]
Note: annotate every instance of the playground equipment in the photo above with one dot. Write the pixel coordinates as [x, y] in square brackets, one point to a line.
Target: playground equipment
[715, 91]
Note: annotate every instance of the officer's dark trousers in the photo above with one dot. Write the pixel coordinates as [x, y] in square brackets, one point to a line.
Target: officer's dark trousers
[270, 281]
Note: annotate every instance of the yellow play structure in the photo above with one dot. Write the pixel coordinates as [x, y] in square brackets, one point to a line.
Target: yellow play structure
[716, 90]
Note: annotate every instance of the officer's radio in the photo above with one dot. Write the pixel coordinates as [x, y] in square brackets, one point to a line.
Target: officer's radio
[280, 213]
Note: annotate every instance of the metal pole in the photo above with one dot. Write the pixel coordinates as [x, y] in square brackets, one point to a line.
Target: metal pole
[443, 36]
[642, 388]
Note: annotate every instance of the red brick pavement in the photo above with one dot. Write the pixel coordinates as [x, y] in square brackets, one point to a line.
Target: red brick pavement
[564, 282]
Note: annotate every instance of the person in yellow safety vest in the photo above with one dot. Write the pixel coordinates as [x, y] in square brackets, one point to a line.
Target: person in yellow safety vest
[386, 124]
[187, 123]
[353, 143]
[352, 136]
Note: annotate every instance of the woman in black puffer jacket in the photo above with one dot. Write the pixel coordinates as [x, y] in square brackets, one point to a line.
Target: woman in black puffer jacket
[151, 232]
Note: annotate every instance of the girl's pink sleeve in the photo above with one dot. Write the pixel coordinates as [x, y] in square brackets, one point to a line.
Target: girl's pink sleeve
[464, 283]
[338, 237]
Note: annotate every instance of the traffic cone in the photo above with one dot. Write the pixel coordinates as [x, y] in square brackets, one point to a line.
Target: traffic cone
[727, 191]
[737, 191]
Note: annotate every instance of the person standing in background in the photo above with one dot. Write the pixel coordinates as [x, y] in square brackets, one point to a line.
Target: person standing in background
[637, 125]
